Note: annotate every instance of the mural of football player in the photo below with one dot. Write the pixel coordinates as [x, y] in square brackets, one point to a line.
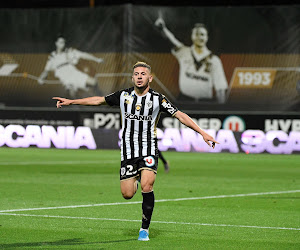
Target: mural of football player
[62, 62]
[201, 72]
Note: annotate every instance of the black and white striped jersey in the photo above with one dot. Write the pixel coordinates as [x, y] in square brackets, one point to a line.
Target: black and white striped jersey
[140, 115]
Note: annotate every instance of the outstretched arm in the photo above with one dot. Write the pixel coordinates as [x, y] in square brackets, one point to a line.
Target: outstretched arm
[45, 73]
[42, 77]
[90, 57]
[162, 25]
[187, 121]
[94, 101]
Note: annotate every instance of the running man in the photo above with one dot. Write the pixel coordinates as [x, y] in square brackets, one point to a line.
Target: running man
[165, 162]
[140, 108]
[62, 61]
[200, 71]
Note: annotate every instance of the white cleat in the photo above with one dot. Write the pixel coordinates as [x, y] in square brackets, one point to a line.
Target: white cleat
[143, 235]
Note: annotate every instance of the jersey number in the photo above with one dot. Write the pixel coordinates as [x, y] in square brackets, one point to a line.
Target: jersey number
[130, 170]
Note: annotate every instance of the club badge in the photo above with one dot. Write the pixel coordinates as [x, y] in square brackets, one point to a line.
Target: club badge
[149, 105]
[123, 171]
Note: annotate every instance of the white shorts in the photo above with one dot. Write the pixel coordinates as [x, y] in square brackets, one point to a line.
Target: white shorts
[71, 77]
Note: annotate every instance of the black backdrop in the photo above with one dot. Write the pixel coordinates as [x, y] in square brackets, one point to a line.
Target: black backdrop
[256, 37]
[129, 28]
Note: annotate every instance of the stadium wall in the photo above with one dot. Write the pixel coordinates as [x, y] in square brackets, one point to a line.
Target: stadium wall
[170, 139]
[109, 118]
[257, 49]
[251, 54]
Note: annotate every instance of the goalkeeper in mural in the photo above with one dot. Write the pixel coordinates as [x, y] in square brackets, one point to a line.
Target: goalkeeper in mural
[62, 62]
[201, 74]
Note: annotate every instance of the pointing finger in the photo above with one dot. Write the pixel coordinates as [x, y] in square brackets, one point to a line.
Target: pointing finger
[208, 143]
[214, 141]
[58, 104]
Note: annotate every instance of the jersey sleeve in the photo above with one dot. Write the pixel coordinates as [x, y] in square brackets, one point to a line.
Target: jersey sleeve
[166, 106]
[218, 75]
[113, 99]
[76, 53]
[180, 52]
[49, 65]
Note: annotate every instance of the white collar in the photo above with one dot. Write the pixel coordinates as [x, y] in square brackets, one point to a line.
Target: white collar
[199, 57]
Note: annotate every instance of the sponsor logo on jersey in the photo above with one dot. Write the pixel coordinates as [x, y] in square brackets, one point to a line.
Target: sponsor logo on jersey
[196, 77]
[168, 106]
[138, 106]
[127, 101]
[126, 94]
[138, 117]
[149, 161]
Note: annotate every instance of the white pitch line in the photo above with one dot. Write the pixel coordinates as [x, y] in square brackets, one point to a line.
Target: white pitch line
[162, 200]
[55, 162]
[161, 222]
[230, 196]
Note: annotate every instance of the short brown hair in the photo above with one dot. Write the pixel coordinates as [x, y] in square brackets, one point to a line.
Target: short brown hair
[200, 25]
[142, 64]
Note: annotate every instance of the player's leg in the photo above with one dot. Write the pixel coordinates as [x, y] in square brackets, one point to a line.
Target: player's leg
[147, 182]
[93, 83]
[128, 178]
[165, 162]
[90, 81]
[128, 188]
[71, 91]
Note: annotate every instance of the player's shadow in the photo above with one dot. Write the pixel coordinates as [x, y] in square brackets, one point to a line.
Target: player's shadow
[67, 242]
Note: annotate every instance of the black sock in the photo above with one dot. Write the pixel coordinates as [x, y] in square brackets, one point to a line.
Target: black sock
[161, 157]
[147, 206]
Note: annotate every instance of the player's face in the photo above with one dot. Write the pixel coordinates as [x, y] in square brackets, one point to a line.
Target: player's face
[60, 43]
[141, 77]
[199, 36]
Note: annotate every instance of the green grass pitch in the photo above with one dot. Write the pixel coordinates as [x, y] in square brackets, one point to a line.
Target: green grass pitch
[43, 178]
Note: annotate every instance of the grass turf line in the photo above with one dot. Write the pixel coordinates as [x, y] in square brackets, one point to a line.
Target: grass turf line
[93, 178]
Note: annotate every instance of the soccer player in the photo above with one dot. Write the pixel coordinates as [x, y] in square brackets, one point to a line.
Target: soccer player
[140, 108]
[200, 71]
[62, 61]
[165, 162]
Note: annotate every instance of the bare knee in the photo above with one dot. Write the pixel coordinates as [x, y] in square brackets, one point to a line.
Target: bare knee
[128, 188]
[127, 195]
[91, 81]
[147, 187]
[147, 181]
